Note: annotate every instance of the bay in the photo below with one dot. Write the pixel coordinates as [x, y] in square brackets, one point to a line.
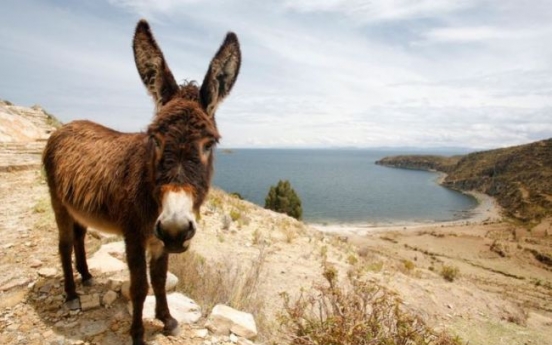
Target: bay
[340, 186]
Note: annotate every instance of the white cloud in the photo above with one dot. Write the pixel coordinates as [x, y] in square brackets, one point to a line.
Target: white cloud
[382, 10]
[315, 73]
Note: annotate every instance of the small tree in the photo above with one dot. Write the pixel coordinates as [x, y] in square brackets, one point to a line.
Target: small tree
[282, 198]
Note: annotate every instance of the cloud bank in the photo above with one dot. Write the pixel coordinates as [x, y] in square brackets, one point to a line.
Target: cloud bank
[325, 73]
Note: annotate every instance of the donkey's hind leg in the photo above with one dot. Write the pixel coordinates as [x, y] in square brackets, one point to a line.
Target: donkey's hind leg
[66, 237]
[80, 253]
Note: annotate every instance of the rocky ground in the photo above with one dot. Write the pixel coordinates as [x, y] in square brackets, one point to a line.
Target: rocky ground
[501, 295]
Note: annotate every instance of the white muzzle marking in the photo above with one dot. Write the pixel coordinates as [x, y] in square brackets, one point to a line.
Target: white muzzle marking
[177, 212]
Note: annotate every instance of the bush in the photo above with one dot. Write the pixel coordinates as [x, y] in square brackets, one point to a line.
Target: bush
[282, 198]
[449, 272]
[364, 313]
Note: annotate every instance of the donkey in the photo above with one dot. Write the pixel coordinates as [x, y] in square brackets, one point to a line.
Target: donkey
[147, 187]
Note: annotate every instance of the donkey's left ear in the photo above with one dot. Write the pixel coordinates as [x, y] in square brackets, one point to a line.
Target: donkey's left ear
[222, 74]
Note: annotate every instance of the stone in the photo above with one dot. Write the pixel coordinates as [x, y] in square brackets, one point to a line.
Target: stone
[108, 298]
[233, 338]
[117, 281]
[104, 260]
[48, 333]
[35, 263]
[14, 282]
[11, 299]
[200, 333]
[45, 288]
[243, 341]
[90, 329]
[13, 327]
[171, 282]
[47, 272]
[182, 308]
[224, 319]
[89, 301]
[125, 290]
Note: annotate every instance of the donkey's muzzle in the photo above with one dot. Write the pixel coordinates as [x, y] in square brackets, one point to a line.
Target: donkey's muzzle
[175, 240]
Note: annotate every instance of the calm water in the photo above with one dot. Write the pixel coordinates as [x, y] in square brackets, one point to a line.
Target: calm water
[341, 186]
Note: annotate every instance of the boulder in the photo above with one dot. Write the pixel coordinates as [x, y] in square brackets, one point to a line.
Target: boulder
[225, 320]
[105, 259]
[183, 309]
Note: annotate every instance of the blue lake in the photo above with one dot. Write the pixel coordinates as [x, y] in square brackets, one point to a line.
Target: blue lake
[342, 186]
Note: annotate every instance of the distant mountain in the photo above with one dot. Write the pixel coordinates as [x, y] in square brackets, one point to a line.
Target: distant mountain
[519, 177]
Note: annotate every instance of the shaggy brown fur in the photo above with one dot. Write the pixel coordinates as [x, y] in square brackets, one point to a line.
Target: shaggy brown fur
[116, 182]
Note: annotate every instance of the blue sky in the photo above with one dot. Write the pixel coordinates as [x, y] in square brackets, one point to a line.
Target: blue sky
[316, 73]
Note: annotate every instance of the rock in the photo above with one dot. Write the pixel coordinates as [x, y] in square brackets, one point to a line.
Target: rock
[233, 338]
[89, 301]
[48, 333]
[11, 299]
[14, 282]
[93, 328]
[200, 333]
[104, 260]
[47, 272]
[45, 288]
[243, 341]
[36, 263]
[108, 298]
[117, 281]
[13, 327]
[171, 282]
[182, 308]
[224, 320]
[125, 290]
[116, 249]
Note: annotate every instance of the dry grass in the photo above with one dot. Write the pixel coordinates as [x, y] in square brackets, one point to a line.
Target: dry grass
[449, 272]
[229, 283]
[357, 313]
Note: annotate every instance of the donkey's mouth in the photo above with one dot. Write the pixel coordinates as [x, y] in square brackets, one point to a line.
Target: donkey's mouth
[175, 249]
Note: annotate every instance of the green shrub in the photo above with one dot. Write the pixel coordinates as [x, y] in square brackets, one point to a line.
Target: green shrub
[282, 198]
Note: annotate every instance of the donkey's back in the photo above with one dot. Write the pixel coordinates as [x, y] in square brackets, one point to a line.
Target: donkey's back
[95, 172]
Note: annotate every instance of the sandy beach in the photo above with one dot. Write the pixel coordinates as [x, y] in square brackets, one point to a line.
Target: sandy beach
[487, 210]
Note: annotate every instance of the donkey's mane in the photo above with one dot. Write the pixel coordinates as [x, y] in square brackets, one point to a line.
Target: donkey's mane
[189, 90]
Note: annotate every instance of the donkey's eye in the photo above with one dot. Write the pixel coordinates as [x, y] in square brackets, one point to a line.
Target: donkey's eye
[208, 147]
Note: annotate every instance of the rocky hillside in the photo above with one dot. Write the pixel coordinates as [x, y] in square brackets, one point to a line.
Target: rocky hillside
[520, 177]
[421, 162]
[23, 132]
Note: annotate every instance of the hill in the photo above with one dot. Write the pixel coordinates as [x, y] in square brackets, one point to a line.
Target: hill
[520, 177]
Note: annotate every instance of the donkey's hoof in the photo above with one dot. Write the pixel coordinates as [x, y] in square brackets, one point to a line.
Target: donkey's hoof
[73, 304]
[171, 327]
[88, 282]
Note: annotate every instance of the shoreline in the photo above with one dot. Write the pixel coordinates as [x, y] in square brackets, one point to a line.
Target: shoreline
[487, 210]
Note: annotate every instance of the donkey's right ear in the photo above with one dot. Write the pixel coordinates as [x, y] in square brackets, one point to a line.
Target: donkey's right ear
[151, 65]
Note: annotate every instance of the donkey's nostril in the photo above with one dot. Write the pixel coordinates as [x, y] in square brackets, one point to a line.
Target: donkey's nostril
[191, 230]
[157, 230]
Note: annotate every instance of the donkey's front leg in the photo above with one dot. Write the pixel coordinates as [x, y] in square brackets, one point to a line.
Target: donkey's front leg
[136, 259]
[158, 274]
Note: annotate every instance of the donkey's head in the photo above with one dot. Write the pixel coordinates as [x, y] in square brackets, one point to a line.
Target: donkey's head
[183, 133]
